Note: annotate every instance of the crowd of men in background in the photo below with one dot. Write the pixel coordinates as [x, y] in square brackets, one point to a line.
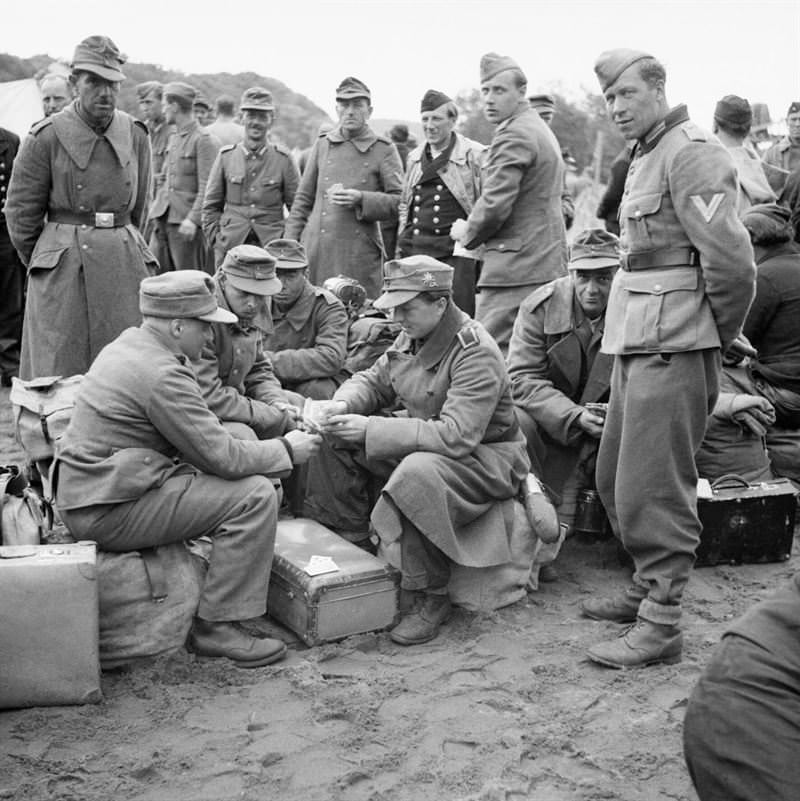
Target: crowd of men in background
[665, 341]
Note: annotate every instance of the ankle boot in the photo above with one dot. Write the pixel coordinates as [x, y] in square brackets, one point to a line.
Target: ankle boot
[422, 622]
[228, 639]
[643, 644]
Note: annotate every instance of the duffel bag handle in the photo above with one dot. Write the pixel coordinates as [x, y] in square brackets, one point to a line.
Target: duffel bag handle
[729, 480]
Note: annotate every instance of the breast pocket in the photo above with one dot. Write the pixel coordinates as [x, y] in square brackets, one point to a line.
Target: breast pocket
[637, 216]
[271, 194]
[187, 164]
[233, 189]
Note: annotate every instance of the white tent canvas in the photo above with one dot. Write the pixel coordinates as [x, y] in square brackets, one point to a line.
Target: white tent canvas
[20, 105]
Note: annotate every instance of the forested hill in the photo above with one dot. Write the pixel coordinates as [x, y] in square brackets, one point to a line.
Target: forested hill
[296, 122]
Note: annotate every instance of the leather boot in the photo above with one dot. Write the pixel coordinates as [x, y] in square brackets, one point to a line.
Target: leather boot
[422, 623]
[643, 644]
[211, 638]
[539, 510]
[620, 608]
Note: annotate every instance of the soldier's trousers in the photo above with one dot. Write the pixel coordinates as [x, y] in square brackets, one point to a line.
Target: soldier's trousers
[12, 303]
[742, 725]
[240, 516]
[181, 253]
[646, 473]
[496, 309]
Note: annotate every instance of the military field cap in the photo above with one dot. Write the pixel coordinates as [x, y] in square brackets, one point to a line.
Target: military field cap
[594, 249]
[251, 269]
[432, 99]
[98, 54]
[179, 89]
[543, 102]
[351, 87]
[182, 293]
[289, 254]
[256, 98]
[734, 110]
[202, 101]
[404, 279]
[612, 63]
[144, 89]
[794, 107]
[493, 63]
[774, 211]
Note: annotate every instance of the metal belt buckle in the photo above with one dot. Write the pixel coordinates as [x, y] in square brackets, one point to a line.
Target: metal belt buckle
[104, 219]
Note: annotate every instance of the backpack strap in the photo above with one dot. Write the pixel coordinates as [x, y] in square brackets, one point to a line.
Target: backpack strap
[155, 574]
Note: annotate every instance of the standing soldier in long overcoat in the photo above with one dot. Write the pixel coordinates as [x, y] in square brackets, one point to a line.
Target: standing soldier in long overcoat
[352, 181]
[250, 183]
[77, 196]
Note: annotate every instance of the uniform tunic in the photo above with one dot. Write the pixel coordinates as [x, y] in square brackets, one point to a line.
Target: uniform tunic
[83, 282]
[144, 462]
[308, 342]
[455, 448]
[340, 240]
[246, 194]
[686, 283]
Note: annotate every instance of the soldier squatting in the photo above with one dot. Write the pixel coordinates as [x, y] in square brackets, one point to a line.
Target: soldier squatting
[180, 269]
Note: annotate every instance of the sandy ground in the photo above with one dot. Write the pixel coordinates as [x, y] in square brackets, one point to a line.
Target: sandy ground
[501, 707]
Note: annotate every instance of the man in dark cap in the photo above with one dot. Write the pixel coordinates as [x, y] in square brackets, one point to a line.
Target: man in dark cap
[351, 182]
[558, 374]
[680, 299]
[182, 183]
[517, 218]
[77, 196]
[785, 154]
[201, 110]
[225, 128]
[145, 462]
[448, 457]
[442, 183]
[250, 183]
[732, 120]
[308, 340]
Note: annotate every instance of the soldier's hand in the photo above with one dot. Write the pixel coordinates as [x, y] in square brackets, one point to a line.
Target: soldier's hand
[591, 423]
[348, 427]
[187, 229]
[458, 230]
[304, 445]
[268, 420]
[350, 198]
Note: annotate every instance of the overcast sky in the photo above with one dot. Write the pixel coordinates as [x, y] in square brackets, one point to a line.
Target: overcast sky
[400, 49]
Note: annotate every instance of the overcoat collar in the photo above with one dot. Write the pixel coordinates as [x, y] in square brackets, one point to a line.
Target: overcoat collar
[441, 339]
[363, 142]
[78, 139]
[298, 313]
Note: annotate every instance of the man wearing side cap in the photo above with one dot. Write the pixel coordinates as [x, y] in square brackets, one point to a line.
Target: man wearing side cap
[784, 155]
[235, 375]
[308, 340]
[557, 371]
[733, 118]
[448, 456]
[442, 183]
[78, 193]
[182, 183]
[517, 217]
[351, 182]
[145, 462]
[545, 106]
[201, 110]
[250, 183]
[680, 299]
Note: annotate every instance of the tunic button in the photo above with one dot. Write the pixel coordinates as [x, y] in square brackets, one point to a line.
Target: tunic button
[85, 247]
[252, 205]
[415, 220]
[84, 228]
[638, 214]
[322, 230]
[439, 187]
[501, 246]
[146, 460]
[437, 197]
[324, 213]
[657, 287]
[238, 350]
[436, 231]
[435, 220]
[80, 186]
[436, 208]
[416, 233]
[417, 198]
[416, 209]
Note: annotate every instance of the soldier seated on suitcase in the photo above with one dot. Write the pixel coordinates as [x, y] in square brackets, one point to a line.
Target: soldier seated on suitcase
[448, 455]
[234, 372]
[557, 371]
[308, 341]
[145, 462]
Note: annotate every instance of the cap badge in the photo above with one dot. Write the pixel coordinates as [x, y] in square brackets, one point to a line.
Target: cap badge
[429, 280]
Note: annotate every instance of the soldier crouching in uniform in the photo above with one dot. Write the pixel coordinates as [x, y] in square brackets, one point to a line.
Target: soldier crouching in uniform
[680, 298]
[308, 340]
[235, 375]
[145, 462]
[449, 454]
[557, 370]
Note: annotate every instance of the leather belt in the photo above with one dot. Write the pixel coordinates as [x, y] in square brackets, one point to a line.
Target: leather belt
[94, 219]
[659, 259]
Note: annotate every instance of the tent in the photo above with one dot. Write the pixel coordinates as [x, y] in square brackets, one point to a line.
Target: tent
[20, 105]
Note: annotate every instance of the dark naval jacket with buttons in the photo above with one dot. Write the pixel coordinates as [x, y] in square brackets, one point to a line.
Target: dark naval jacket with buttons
[340, 240]
[83, 280]
[9, 145]
[247, 191]
[688, 273]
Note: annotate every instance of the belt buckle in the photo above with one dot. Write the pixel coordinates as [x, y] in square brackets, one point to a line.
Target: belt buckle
[104, 219]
